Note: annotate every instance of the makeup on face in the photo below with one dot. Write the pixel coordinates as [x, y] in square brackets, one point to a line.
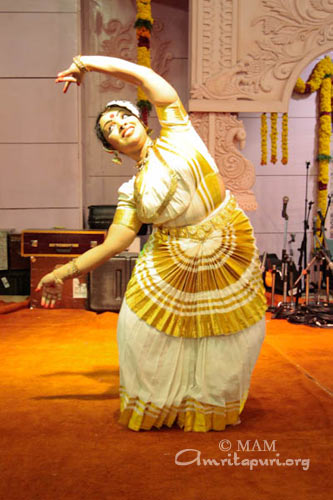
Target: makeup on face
[123, 131]
[114, 119]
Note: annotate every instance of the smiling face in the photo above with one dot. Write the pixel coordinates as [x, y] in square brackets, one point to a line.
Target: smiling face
[123, 131]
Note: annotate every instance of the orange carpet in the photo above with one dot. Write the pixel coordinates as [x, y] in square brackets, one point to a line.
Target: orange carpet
[60, 438]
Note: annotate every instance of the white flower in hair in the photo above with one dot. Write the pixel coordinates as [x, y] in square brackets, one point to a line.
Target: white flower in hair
[127, 105]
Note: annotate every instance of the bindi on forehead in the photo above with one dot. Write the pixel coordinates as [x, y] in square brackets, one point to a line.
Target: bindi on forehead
[107, 117]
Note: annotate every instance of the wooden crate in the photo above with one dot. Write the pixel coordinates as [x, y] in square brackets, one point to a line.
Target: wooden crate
[59, 243]
[49, 249]
[43, 265]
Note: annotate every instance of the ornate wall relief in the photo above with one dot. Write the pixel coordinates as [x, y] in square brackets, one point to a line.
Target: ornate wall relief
[263, 46]
[118, 39]
[223, 133]
[246, 57]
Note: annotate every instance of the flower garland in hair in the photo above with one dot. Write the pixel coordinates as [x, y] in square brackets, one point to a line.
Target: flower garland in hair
[321, 80]
[263, 139]
[274, 134]
[143, 24]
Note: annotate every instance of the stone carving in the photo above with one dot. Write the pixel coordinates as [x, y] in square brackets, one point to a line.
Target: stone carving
[212, 25]
[121, 42]
[289, 30]
[237, 171]
[225, 29]
[200, 122]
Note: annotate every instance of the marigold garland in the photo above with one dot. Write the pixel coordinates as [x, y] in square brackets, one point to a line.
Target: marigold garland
[284, 138]
[321, 80]
[263, 139]
[143, 24]
[274, 134]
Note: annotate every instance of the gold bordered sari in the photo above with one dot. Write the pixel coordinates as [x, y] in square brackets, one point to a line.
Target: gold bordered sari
[192, 322]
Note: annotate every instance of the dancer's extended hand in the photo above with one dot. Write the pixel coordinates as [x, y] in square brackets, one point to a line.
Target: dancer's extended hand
[71, 75]
[51, 288]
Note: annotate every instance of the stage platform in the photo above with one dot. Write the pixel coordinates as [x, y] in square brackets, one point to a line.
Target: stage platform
[60, 437]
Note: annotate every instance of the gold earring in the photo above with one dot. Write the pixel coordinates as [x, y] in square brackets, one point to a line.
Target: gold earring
[116, 158]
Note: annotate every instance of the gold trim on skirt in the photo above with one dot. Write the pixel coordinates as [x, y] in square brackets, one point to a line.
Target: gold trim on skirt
[200, 280]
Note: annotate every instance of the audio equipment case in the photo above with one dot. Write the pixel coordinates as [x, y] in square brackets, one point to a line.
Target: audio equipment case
[48, 249]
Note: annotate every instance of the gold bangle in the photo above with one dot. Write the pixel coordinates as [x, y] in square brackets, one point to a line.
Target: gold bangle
[74, 270]
[79, 64]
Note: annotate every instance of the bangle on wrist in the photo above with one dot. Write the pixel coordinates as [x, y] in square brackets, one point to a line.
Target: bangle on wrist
[79, 64]
[74, 270]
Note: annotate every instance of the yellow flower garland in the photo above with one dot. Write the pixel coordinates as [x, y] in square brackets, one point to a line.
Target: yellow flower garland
[324, 143]
[144, 10]
[143, 25]
[143, 56]
[321, 80]
[284, 138]
[263, 139]
[300, 86]
[274, 134]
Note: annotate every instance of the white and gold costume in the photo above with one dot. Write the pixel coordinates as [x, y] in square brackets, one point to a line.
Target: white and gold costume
[192, 321]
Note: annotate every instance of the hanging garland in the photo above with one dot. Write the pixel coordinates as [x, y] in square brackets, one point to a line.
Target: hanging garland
[263, 139]
[274, 136]
[143, 24]
[284, 138]
[321, 80]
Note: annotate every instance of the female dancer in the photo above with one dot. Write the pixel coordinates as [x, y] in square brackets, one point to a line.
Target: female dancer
[192, 320]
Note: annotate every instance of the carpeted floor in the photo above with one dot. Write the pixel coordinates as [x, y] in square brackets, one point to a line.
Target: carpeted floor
[60, 439]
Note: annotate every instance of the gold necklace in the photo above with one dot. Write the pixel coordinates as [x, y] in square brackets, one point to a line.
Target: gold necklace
[141, 163]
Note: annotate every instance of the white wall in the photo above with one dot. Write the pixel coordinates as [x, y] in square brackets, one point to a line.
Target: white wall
[40, 184]
[169, 42]
[273, 182]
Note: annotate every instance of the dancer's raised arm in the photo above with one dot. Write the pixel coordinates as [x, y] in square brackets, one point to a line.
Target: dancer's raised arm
[157, 89]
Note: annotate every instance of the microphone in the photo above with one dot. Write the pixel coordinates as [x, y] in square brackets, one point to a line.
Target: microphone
[284, 207]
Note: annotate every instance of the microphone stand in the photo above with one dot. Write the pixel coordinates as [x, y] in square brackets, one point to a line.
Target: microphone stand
[322, 256]
[302, 262]
[306, 218]
[284, 308]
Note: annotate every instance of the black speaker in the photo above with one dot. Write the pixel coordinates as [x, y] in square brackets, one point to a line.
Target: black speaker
[101, 217]
[107, 283]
